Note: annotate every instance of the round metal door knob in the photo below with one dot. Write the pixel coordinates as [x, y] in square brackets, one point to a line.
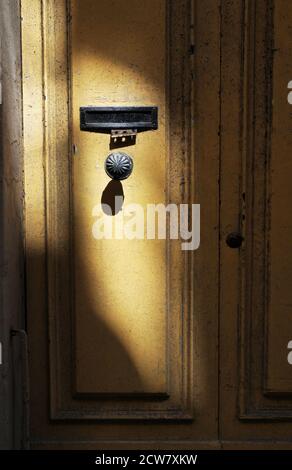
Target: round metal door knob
[118, 165]
[234, 240]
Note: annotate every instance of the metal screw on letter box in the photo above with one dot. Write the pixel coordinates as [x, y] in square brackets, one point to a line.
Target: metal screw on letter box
[118, 165]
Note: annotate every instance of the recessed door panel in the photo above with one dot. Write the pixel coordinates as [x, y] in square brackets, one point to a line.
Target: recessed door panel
[279, 331]
[119, 57]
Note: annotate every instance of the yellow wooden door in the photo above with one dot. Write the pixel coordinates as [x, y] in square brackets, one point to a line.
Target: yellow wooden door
[135, 342]
[122, 330]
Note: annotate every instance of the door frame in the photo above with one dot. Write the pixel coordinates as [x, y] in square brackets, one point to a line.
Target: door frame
[13, 420]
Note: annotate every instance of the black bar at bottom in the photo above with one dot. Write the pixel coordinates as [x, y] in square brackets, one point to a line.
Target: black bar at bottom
[125, 459]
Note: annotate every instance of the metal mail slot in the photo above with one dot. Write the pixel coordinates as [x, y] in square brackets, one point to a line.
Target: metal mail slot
[107, 119]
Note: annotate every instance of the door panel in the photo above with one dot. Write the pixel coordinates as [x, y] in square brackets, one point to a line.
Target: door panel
[123, 344]
[121, 335]
[120, 330]
[255, 172]
[279, 308]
